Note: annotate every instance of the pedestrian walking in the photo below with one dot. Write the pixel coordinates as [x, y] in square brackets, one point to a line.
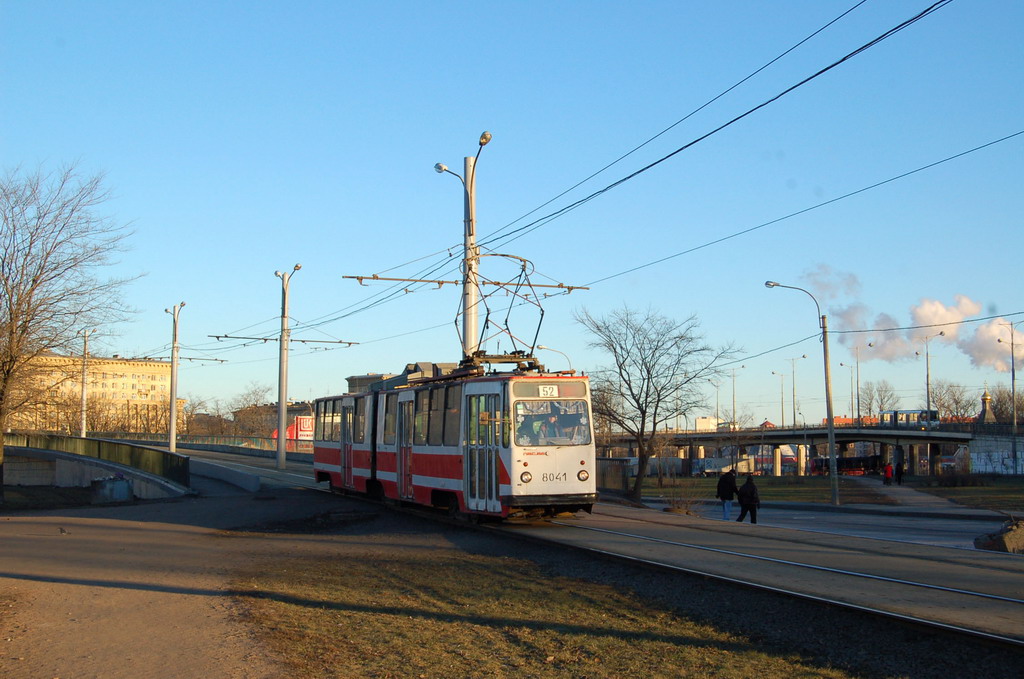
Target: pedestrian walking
[899, 473]
[887, 474]
[726, 492]
[750, 501]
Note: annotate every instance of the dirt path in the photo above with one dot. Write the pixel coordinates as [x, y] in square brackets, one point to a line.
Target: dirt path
[136, 591]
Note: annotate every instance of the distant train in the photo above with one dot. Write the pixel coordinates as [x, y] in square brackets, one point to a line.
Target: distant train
[502, 445]
[909, 419]
[848, 466]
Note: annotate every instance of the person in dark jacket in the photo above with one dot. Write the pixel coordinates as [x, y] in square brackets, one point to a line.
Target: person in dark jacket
[749, 500]
[899, 473]
[726, 492]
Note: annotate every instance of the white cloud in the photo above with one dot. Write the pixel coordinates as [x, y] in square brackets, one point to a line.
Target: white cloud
[986, 351]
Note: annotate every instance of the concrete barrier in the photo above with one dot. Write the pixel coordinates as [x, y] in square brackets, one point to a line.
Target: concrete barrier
[29, 467]
[240, 479]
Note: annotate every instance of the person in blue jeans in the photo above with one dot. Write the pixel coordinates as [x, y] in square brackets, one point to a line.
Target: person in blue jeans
[726, 492]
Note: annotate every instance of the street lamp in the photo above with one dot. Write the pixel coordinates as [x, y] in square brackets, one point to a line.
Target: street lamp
[568, 360]
[852, 402]
[928, 373]
[782, 400]
[718, 419]
[735, 420]
[830, 419]
[856, 354]
[282, 375]
[1013, 391]
[85, 374]
[471, 254]
[172, 427]
[792, 365]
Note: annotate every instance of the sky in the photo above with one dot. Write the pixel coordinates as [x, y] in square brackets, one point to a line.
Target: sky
[239, 139]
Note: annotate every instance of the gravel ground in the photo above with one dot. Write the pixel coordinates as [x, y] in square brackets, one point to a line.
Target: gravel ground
[853, 641]
[858, 643]
[83, 587]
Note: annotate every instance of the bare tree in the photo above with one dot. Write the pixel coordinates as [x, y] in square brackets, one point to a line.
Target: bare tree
[192, 407]
[659, 365]
[878, 396]
[54, 246]
[953, 400]
[252, 414]
[1002, 404]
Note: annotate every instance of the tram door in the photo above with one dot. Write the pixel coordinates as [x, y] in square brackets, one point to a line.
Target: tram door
[480, 452]
[346, 444]
[405, 425]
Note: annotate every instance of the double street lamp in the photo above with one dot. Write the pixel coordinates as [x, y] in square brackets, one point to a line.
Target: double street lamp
[823, 324]
[282, 374]
[471, 254]
[172, 424]
[928, 372]
[792, 364]
[1013, 391]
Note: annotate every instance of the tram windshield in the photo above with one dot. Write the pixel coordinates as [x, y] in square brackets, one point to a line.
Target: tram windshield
[562, 423]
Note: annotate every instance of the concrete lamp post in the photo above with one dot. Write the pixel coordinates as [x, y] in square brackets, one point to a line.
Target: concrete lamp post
[830, 418]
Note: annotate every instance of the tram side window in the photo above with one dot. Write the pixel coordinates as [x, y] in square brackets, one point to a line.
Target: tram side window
[333, 428]
[422, 412]
[359, 422]
[390, 417]
[346, 424]
[434, 435]
[472, 416]
[318, 431]
[452, 397]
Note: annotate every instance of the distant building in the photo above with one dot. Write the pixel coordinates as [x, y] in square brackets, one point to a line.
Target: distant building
[122, 395]
[706, 424]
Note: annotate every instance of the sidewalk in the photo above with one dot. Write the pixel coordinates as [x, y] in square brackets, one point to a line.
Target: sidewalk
[910, 503]
[916, 503]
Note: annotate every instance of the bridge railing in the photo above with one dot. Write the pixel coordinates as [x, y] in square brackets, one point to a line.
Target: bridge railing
[171, 466]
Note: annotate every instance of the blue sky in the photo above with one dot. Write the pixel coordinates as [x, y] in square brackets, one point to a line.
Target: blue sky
[243, 138]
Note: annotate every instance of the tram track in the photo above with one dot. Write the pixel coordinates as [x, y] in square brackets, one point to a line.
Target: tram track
[798, 564]
[780, 540]
[916, 610]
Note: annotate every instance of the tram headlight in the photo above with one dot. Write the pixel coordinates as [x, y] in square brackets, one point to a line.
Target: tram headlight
[583, 475]
[526, 477]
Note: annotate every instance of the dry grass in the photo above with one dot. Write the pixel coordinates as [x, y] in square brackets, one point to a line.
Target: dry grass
[442, 613]
[1001, 493]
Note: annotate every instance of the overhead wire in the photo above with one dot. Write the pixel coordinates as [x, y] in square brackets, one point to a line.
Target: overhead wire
[680, 121]
[393, 291]
[532, 226]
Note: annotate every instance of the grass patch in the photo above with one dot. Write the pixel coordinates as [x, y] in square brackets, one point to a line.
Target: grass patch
[44, 497]
[442, 614]
[773, 489]
[1000, 494]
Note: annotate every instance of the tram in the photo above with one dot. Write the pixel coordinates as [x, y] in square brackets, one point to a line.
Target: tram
[909, 419]
[512, 444]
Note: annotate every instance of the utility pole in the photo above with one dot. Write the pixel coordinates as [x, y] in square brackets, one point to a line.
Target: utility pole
[85, 381]
[172, 427]
[282, 375]
[823, 324]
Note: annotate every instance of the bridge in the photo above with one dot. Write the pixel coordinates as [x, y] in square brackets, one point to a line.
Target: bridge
[920, 450]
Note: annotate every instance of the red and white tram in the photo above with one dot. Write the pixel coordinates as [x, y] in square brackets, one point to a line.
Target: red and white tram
[512, 444]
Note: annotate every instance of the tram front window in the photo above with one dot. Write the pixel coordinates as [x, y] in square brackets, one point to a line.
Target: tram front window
[562, 423]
